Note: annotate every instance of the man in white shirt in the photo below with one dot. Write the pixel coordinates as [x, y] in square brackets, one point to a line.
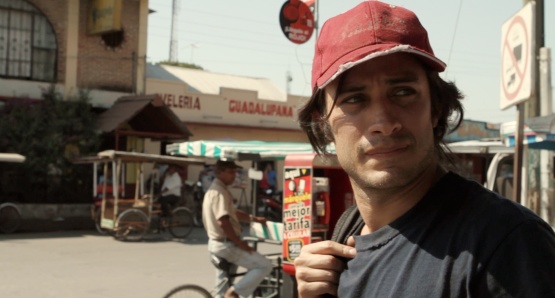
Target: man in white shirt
[222, 223]
[171, 190]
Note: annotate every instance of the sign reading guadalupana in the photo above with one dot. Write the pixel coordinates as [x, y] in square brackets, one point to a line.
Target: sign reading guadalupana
[267, 109]
[234, 106]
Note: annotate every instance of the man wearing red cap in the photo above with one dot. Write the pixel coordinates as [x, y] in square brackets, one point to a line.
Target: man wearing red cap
[418, 230]
[222, 223]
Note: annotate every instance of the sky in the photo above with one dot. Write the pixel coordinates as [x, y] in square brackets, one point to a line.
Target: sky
[244, 37]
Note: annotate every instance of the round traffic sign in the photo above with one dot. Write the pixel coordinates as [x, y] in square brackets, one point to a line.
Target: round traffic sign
[515, 59]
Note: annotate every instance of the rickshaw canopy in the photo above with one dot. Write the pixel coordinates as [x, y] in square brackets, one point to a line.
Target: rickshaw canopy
[138, 157]
[11, 157]
[239, 150]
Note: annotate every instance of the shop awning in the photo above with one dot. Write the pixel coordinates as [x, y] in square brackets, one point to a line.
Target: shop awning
[479, 147]
[238, 150]
[539, 132]
[138, 157]
[143, 116]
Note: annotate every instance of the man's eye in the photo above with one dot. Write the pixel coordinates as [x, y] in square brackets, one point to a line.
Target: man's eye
[404, 92]
[350, 100]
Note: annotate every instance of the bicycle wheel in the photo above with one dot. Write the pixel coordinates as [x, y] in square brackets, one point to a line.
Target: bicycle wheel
[10, 218]
[131, 225]
[189, 291]
[181, 222]
[97, 219]
[267, 288]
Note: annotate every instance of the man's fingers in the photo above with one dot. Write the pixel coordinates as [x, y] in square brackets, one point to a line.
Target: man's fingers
[330, 248]
[315, 289]
[317, 275]
[318, 267]
[327, 262]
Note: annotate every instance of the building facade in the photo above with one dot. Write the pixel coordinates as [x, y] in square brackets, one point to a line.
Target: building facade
[95, 45]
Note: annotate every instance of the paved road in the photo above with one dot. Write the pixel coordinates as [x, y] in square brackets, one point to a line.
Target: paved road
[84, 264]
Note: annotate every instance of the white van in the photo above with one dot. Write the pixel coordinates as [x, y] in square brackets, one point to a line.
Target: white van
[497, 163]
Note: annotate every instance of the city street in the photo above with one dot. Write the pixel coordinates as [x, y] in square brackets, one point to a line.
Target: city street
[84, 264]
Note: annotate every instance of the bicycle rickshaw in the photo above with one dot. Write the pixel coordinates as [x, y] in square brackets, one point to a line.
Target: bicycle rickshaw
[10, 215]
[124, 205]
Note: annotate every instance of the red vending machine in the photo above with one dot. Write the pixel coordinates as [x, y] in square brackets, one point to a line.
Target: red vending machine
[316, 191]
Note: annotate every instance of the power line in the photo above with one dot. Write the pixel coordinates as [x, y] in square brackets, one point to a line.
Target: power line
[225, 16]
[454, 36]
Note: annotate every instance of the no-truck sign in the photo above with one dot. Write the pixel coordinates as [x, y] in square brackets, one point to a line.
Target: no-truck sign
[517, 57]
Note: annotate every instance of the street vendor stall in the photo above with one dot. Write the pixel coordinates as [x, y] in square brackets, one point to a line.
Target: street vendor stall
[254, 151]
[316, 193]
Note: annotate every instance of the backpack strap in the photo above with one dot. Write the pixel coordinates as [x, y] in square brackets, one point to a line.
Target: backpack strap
[350, 223]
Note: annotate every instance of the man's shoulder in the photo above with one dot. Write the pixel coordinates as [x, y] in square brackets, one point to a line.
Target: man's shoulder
[488, 210]
[217, 185]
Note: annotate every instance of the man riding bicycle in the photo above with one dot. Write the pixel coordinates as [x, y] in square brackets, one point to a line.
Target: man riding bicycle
[222, 223]
[171, 189]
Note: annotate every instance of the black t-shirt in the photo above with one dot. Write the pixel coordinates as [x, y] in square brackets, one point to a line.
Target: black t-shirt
[460, 240]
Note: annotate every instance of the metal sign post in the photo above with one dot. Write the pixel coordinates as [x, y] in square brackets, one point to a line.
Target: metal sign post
[517, 64]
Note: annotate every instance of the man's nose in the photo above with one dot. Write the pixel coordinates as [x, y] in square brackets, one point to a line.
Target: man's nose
[383, 118]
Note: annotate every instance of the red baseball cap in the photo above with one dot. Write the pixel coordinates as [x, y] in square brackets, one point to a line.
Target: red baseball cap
[369, 30]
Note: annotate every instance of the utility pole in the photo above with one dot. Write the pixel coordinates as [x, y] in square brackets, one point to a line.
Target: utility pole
[193, 47]
[173, 37]
[547, 198]
[531, 157]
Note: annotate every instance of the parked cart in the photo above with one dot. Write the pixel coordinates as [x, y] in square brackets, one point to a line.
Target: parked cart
[126, 207]
[10, 215]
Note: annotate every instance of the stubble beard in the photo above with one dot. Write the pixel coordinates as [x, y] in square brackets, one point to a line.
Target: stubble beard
[392, 180]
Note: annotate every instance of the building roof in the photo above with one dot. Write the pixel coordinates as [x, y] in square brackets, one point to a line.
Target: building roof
[145, 116]
[206, 82]
[156, 71]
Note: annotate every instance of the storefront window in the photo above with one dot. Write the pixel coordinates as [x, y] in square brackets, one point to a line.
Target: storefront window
[27, 42]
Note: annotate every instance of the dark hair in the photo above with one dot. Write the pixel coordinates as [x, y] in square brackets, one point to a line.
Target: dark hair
[446, 103]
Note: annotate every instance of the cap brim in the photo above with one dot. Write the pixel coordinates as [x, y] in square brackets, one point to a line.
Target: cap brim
[367, 53]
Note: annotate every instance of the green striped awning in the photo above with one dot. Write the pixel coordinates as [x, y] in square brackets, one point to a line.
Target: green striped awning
[238, 150]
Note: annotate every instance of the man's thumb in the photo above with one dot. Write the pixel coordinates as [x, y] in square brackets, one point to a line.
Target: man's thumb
[351, 241]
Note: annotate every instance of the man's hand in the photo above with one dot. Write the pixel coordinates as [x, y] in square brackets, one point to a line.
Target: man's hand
[259, 219]
[318, 267]
[244, 246]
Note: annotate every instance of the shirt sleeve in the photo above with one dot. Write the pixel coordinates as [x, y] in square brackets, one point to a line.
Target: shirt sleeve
[524, 263]
[219, 206]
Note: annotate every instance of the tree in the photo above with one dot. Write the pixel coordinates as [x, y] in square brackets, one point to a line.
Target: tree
[50, 133]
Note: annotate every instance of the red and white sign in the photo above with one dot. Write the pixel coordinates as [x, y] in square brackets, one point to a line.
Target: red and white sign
[297, 210]
[297, 21]
[230, 107]
[517, 57]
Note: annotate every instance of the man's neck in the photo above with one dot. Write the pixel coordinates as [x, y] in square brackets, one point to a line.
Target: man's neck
[379, 208]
